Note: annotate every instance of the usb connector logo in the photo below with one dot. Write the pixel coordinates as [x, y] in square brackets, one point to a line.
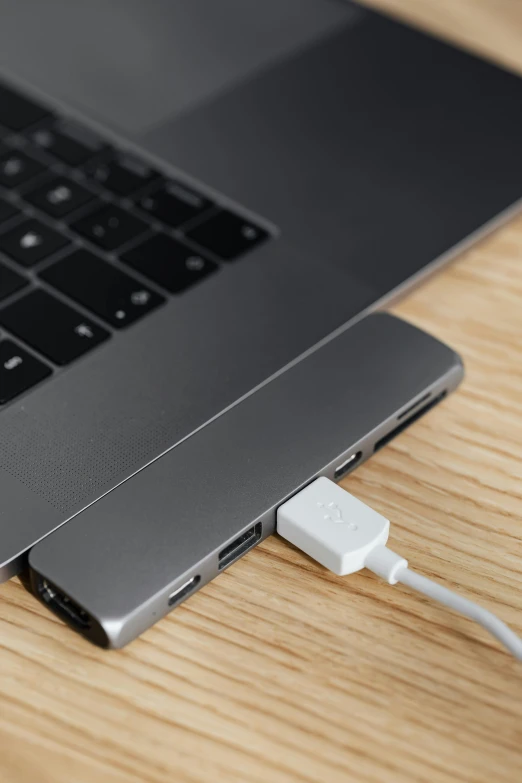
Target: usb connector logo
[332, 513]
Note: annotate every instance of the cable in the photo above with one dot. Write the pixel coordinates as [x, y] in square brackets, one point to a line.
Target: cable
[345, 535]
[487, 619]
[390, 566]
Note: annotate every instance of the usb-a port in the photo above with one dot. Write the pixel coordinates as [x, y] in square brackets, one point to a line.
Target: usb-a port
[240, 545]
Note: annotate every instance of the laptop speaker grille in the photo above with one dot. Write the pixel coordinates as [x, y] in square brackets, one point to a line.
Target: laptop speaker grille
[70, 468]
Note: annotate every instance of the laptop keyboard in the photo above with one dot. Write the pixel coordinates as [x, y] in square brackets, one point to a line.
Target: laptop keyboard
[91, 240]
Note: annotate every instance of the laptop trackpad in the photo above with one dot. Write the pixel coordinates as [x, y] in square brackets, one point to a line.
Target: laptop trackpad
[132, 65]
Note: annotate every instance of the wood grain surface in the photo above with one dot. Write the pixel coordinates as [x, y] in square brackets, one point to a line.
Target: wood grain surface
[280, 672]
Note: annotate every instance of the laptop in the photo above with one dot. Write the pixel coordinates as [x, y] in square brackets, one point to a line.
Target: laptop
[194, 196]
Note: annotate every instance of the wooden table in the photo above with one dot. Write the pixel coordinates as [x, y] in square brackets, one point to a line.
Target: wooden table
[280, 672]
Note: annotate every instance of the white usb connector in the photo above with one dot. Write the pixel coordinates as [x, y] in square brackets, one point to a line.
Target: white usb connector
[345, 535]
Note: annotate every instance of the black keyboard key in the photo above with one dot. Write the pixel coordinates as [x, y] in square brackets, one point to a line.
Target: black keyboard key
[100, 287]
[69, 143]
[109, 227]
[122, 175]
[17, 112]
[7, 210]
[10, 282]
[16, 168]
[51, 327]
[169, 263]
[31, 241]
[59, 196]
[18, 371]
[227, 235]
[174, 204]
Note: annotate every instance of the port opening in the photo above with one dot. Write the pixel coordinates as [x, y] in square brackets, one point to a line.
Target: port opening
[63, 606]
[415, 405]
[240, 545]
[406, 423]
[182, 592]
[349, 463]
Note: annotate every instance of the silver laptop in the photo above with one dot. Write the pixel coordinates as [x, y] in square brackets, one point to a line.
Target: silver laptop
[193, 196]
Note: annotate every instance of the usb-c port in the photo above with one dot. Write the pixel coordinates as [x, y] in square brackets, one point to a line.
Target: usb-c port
[347, 465]
[184, 590]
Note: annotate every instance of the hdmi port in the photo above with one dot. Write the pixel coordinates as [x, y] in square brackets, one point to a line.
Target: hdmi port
[240, 545]
[63, 606]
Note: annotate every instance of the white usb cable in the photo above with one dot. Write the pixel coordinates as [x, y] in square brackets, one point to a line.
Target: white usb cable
[345, 535]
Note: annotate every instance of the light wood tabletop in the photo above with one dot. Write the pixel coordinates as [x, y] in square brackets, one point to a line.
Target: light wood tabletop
[280, 672]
